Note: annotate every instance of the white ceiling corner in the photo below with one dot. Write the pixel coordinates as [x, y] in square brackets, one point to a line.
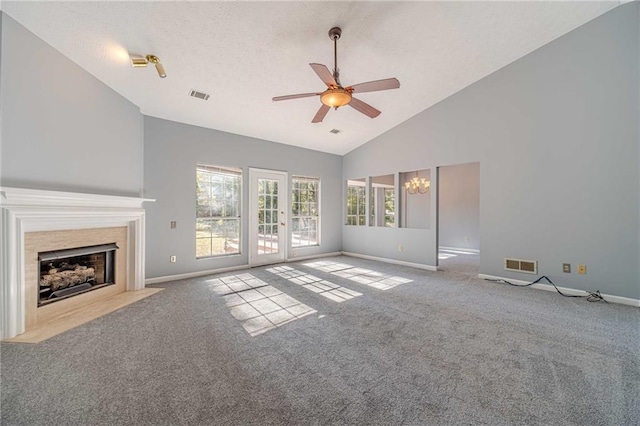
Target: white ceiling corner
[244, 53]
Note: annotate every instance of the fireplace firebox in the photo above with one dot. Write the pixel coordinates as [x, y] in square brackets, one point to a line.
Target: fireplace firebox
[69, 272]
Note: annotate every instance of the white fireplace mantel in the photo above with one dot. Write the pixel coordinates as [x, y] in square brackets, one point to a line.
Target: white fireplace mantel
[30, 210]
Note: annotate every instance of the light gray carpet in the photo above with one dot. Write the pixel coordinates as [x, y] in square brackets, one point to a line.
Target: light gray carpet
[446, 348]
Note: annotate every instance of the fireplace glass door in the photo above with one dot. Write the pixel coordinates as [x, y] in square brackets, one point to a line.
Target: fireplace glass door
[69, 272]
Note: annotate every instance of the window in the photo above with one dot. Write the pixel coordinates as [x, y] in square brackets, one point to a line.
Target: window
[389, 207]
[305, 211]
[356, 202]
[217, 210]
[383, 207]
[382, 201]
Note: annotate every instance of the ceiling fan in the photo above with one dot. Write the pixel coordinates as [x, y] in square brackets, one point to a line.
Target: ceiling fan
[336, 96]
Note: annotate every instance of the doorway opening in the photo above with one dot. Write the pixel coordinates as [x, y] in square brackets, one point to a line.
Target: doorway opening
[459, 218]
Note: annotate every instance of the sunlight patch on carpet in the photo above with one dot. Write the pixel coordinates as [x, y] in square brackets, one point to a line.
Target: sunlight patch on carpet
[364, 276]
[258, 306]
[317, 285]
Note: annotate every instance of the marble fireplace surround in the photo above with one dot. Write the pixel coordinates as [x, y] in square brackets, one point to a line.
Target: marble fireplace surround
[29, 210]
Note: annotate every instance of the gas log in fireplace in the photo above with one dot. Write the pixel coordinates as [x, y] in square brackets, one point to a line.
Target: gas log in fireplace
[66, 273]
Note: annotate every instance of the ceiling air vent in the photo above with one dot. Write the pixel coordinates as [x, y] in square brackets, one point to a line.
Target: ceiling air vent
[519, 265]
[199, 95]
[335, 131]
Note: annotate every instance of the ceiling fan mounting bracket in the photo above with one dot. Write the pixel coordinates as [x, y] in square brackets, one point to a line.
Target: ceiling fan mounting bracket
[335, 33]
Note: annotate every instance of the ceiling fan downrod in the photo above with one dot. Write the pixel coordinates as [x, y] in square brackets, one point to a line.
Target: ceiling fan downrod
[334, 34]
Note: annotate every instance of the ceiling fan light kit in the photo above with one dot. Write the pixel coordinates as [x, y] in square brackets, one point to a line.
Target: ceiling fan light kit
[336, 96]
[139, 61]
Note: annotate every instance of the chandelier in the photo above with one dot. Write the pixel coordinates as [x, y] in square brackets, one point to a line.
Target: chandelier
[417, 185]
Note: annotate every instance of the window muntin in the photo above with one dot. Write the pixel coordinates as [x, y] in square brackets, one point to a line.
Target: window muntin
[305, 211]
[218, 195]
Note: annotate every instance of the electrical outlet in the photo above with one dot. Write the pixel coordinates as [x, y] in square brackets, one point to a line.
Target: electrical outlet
[173, 224]
[172, 259]
[582, 269]
[566, 268]
[295, 253]
[400, 248]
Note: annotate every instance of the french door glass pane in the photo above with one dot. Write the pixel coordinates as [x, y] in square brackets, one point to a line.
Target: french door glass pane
[268, 216]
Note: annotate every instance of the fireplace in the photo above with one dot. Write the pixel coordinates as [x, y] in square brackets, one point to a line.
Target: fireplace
[37, 222]
[71, 272]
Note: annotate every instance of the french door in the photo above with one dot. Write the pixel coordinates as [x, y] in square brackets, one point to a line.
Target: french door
[268, 216]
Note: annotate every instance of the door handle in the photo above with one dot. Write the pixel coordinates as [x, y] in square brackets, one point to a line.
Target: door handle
[281, 223]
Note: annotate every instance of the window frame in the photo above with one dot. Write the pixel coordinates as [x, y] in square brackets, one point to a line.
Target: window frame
[361, 203]
[224, 171]
[392, 191]
[379, 215]
[294, 216]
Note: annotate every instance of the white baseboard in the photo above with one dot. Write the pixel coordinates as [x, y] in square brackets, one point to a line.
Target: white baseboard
[571, 291]
[474, 251]
[314, 256]
[395, 262]
[193, 274]
[493, 277]
[187, 275]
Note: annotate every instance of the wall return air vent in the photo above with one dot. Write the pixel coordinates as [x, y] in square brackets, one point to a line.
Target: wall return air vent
[519, 265]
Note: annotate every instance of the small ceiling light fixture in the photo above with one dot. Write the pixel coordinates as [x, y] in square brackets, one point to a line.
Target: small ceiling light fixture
[139, 61]
[417, 185]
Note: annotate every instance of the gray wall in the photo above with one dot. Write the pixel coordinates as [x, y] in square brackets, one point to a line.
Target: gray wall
[557, 135]
[459, 206]
[62, 129]
[172, 151]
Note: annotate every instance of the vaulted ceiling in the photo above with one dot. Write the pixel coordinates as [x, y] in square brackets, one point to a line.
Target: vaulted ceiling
[245, 53]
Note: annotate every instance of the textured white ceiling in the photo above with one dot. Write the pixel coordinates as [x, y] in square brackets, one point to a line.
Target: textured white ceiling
[244, 53]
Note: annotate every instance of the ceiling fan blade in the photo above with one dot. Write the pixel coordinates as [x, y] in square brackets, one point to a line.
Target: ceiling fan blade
[364, 108]
[324, 74]
[299, 95]
[373, 86]
[322, 112]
